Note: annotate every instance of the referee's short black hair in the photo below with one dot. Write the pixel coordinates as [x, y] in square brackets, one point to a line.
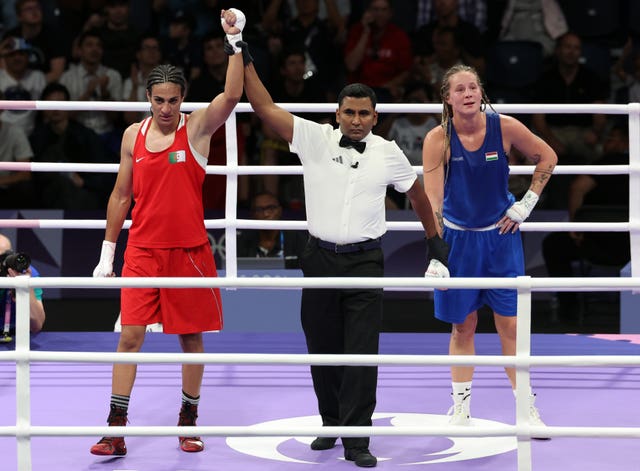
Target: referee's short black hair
[358, 90]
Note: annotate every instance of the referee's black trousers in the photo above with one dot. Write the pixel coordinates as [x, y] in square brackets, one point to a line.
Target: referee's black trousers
[344, 321]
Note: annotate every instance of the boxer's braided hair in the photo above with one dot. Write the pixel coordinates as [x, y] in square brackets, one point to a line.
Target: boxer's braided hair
[166, 73]
[447, 110]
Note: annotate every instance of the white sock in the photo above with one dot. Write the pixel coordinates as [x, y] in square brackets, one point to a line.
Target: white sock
[461, 392]
[531, 394]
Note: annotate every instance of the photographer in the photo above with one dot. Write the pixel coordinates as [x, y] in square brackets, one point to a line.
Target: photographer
[36, 313]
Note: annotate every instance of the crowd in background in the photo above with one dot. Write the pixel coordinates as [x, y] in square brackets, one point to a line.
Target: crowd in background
[305, 51]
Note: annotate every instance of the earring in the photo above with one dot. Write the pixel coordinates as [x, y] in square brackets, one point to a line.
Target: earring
[483, 105]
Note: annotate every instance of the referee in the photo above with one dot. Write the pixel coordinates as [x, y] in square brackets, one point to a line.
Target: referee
[346, 174]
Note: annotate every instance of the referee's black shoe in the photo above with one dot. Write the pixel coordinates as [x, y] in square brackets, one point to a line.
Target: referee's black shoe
[323, 443]
[361, 456]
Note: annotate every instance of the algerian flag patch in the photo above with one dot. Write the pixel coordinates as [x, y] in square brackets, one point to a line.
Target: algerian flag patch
[179, 156]
[489, 156]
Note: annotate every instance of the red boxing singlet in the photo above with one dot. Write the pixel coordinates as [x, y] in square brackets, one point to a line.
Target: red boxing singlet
[167, 190]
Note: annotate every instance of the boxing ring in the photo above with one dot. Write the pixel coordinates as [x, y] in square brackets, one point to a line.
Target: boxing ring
[61, 378]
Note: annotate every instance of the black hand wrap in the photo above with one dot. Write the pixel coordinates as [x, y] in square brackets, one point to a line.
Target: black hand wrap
[438, 249]
[228, 48]
[246, 55]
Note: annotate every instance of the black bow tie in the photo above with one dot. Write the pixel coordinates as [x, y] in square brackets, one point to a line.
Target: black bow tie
[357, 145]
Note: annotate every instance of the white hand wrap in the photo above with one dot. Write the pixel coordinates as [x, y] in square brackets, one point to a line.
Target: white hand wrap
[522, 209]
[240, 22]
[105, 266]
[436, 269]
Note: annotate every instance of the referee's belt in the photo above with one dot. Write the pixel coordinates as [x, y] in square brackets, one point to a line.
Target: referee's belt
[369, 244]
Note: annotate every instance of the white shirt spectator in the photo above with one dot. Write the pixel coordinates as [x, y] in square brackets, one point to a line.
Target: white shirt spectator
[28, 87]
[409, 136]
[14, 145]
[141, 91]
[76, 80]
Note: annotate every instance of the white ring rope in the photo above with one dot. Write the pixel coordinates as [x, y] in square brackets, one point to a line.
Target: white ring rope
[294, 169]
[628, 109]
[522, 283]
[274, 431]
[522, 361]
[328, 359]
[301, 225]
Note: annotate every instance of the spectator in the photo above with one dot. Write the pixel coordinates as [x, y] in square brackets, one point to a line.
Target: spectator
[19, 82]
[336, 13]
[288, 245]
[119, 38]
[408, 132]
[290, 88]
[469, 37]
[275, 14]
[626, 68]
[420, 70]
[90, 80]
[203, 13]
[541, 21]
[57, 138]
[8, 16]
[179, 47]
[214, 69]
[320, 43]
[610, 193]
[49, 45]
[471, 11]
[575, 137]
[446, 54]
[265, 36]
[628, 89]
[16, 187]
[37, 314]
[148, 55]
[634, 85]
[378, 53]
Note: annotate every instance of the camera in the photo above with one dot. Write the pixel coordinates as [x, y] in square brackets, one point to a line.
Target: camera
[18, 261]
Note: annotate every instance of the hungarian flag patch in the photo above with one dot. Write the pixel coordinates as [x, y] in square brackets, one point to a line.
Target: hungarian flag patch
[489, 156]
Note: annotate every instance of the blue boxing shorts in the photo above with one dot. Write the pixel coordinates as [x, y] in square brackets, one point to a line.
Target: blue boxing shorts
[480, 254]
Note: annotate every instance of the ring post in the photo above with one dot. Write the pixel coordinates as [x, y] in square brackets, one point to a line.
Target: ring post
[23, 386]
[523, 376]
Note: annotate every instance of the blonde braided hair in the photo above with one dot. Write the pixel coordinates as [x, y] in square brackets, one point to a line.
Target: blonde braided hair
[447, 110]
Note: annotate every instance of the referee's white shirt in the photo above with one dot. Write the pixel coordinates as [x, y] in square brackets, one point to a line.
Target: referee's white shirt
[345, 190]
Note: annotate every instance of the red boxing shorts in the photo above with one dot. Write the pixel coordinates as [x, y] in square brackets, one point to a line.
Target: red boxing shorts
[180, 310]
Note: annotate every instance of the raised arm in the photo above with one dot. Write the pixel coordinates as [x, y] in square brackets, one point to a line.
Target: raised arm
[278, 119]
[204, 122]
